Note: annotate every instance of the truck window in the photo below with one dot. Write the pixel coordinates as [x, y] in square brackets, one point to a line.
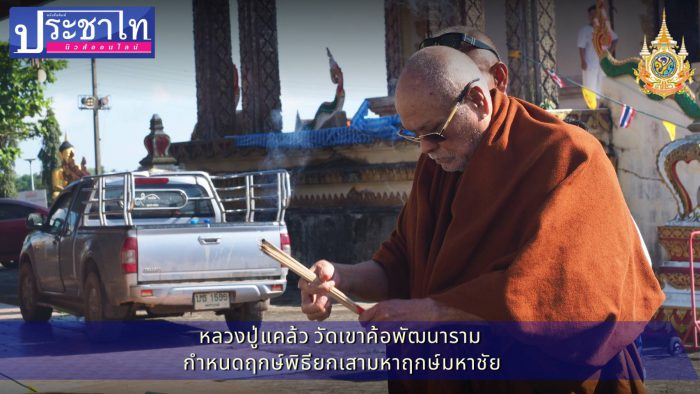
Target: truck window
[166, 196]
[77, 208]
[59, 212]
[167, 200]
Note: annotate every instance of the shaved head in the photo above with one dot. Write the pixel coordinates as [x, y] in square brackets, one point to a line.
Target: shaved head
[426, 94]
[440, 73]
[484, 59]
[487, 61]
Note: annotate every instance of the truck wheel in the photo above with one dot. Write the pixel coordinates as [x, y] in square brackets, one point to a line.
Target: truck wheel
[97, 325]
[675, 346]
[29, 297]
[246, 316]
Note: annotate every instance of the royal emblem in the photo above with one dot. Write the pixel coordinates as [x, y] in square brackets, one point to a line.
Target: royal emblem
[663, 71]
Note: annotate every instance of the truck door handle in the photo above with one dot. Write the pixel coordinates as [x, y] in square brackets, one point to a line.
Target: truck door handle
[209, 240]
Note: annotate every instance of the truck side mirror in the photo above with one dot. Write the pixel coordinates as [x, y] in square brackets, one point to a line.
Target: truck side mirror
[35, 221]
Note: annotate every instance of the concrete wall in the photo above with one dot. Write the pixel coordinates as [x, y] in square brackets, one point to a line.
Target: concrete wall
[340, 235]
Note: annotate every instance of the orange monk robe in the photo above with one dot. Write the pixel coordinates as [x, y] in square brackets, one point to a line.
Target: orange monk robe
[535, 229]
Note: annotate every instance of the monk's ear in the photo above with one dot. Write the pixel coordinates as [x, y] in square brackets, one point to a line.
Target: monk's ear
[478, 96]
[499, 71]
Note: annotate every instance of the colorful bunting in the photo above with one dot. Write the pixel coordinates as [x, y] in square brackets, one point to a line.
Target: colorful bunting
[592, 102]
[670, 128]
[555, 78]
[515, 54]
[626, 116]
[589, 97]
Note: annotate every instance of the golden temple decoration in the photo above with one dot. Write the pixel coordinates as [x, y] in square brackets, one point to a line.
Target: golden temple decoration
[68, 171]
[602, 32]
[663, 70]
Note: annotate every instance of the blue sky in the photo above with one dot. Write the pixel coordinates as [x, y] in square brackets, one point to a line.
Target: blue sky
[138, 88]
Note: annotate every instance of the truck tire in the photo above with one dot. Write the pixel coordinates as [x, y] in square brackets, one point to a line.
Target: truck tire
[29, 297]
[97, 326]
[246, 316]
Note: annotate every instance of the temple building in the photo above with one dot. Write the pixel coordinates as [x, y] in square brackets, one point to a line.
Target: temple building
[349, 182]
[350, 172]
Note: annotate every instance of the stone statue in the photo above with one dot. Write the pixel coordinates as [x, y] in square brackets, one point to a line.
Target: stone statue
[329, 114]
[68, 171]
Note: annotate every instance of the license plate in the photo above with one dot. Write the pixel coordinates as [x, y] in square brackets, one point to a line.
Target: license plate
[213, 300]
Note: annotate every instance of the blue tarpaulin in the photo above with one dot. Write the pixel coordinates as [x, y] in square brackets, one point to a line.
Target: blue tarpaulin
[362, 130]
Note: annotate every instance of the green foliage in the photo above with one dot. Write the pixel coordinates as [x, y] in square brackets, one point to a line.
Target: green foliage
[549, 104]
[22, 102]
[48, 154]
[7, 183]
[23, 183]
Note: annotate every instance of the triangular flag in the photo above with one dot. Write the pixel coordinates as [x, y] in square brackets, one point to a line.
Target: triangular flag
[590, 98]
[555, 78]
[671, 129]
[626, 116]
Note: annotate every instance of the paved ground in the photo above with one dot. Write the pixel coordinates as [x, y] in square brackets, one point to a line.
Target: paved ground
[67, 328]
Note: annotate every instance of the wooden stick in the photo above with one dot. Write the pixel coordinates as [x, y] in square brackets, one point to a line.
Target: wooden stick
[300, 269]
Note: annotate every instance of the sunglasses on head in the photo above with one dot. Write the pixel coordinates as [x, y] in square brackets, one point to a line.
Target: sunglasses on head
[455, 40]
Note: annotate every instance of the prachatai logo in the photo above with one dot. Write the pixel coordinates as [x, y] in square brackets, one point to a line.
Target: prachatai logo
[82, 32]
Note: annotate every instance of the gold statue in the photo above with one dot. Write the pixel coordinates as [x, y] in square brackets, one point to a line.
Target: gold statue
[68, 171]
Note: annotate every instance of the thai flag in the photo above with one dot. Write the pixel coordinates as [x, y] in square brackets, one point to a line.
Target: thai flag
[555, 78]
[626, 116]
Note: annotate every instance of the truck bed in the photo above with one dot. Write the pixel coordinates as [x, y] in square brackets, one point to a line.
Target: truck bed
[178, 253]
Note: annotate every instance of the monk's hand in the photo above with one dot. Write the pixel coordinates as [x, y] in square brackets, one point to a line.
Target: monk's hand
[315, 299]
[400, 310]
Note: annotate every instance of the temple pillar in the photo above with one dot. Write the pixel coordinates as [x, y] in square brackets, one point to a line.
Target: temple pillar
[216, 109]
[407, 24]
[392, 46]
[530, 31]
[442, 14]
[472, 14]
[257, 23]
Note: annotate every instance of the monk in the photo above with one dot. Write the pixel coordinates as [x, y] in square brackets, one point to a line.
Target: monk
[479, 47]
[513, 216]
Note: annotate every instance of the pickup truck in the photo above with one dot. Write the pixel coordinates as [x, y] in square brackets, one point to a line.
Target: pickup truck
[167, 243]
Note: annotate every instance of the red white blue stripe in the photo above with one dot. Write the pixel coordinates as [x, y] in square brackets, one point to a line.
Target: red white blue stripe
[555, 78]
[626, 116]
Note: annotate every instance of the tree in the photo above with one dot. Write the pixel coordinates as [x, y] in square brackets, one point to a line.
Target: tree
[23, 183]
[49, 147]
[22, 103]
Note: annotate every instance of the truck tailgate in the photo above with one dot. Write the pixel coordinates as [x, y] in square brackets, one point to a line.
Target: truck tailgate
[193, 253]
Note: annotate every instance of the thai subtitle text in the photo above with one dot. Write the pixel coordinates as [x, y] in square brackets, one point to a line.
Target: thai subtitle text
[352, 362]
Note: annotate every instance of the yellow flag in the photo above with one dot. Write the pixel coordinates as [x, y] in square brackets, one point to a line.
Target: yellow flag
[590, 98]
[670, 128]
